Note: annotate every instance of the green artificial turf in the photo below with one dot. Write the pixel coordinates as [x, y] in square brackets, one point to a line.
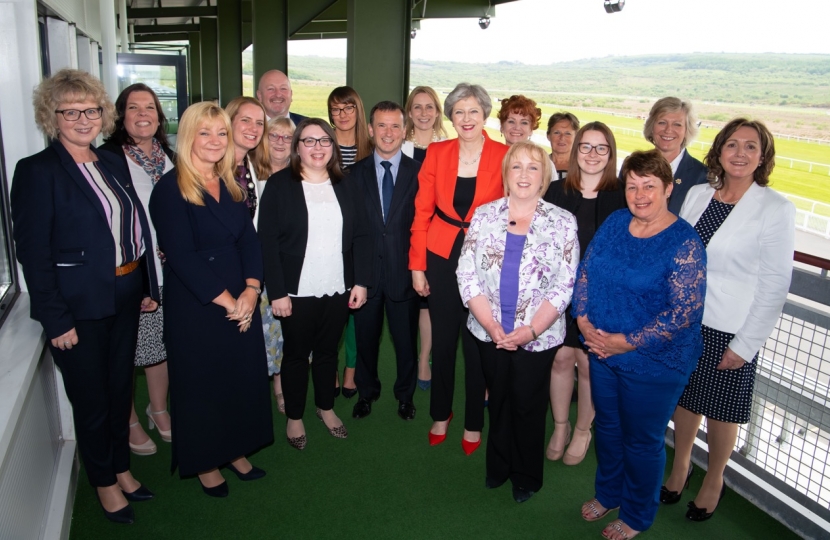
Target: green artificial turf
[384, 481]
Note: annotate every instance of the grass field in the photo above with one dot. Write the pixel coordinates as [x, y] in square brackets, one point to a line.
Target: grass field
[310, 99]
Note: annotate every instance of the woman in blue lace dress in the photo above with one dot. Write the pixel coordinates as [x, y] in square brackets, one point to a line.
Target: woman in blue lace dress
[639, 303]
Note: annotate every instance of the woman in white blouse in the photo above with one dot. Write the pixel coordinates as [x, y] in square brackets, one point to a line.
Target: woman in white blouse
[317, 255]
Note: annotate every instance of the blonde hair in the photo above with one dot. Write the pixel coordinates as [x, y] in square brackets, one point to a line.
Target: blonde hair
[70, 86]
[280, 122]
[671, 105]
[534, 152]
[260, 157]
[191, 183]
[438, 125]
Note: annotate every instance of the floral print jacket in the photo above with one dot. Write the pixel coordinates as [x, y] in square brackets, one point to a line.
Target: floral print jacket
[547, 270]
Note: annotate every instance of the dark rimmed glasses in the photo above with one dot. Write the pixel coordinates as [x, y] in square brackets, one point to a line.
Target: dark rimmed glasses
[337, 111]
[602, 149]
[311, 142]
[72, 115]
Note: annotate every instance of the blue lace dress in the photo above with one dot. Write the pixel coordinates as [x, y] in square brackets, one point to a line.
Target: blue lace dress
[649, 289]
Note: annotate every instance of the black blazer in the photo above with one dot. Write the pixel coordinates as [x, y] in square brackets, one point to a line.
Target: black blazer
[608, 202]
[390, 240]
[64, 242]
[283, 231]
[690, 172]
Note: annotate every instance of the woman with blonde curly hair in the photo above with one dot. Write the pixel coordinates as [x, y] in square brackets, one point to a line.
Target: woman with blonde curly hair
[220, 405]
[81, 236]
[518, 117]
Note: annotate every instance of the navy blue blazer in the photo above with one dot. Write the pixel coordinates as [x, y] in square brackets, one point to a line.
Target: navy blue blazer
[296, 118]
[283, 231]
[209, 248]
[64, 242]
[690, 172]
[390, 240]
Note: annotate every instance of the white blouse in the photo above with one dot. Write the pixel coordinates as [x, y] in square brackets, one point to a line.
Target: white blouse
[322, 272]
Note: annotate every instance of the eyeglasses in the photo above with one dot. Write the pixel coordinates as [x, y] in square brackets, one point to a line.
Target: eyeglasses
[311, 142]
[348, 109]
[602, 149]
[74, 114]
[277, 137]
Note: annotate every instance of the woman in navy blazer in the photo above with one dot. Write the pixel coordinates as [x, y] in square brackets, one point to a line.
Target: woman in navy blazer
[671, 125]
[220, 401]
[749, 232]
[81, 235]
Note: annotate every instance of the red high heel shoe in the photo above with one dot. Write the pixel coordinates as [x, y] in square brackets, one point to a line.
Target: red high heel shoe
[435, 440]
[468, 446]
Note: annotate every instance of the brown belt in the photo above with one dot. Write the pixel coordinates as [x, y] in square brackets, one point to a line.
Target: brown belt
[125, 269]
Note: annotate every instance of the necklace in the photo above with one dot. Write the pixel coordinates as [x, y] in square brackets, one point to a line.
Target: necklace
[718, 193]
[415, 143]
[512, 222]
[474, 160]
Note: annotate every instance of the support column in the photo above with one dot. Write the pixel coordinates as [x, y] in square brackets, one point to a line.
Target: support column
[194, 64]
[229, 17]
[124, 38]
[378, 42]
[210, 59]
[270, 36]
[109, 75]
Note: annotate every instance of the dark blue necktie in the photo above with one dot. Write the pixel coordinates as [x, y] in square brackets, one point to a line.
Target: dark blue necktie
[388, 186]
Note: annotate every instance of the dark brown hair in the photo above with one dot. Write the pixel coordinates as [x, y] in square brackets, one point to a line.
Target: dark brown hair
[346, 95]
[333, 166]
[765, 167]
[559, 116]
[609, 181]
[648, 163]
[120, 135]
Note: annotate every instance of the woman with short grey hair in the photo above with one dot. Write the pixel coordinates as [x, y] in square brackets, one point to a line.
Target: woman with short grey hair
[457, 176]
[671, 125]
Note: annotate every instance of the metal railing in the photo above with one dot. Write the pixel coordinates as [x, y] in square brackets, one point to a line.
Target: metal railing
[782, 459]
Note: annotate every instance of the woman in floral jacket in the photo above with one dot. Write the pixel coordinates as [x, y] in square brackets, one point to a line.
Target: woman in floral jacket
[516, 275]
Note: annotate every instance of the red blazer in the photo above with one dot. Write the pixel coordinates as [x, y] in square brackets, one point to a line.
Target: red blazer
[436, 182]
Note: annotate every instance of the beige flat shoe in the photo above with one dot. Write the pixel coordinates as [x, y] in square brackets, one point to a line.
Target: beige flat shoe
[579, 436]
[552, 453]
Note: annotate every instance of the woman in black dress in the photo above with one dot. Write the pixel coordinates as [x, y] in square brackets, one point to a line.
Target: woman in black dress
[591, 192]
[220, 403]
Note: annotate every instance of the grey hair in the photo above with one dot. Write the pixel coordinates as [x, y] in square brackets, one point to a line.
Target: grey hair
[671, 105]
[465, 90]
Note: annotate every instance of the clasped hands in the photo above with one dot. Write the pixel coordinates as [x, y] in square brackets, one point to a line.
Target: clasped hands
[602, 343]
[243, 309]
[512, 341]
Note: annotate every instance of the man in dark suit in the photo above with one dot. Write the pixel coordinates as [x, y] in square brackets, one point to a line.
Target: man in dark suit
[275, 93]
[388, 181]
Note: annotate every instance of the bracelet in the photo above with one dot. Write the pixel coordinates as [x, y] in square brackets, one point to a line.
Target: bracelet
[257, 289]
[532, 331]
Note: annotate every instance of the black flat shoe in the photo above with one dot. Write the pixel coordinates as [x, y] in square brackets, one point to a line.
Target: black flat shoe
[700, 514]
[219, 491]
[349, 393]
[406, 410]
[672, 497]
[254, 474]
[521, 495]
[362, 408]
[141, 494]
[125, 515]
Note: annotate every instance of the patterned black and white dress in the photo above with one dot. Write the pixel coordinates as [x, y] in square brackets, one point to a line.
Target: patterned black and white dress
[724, 395]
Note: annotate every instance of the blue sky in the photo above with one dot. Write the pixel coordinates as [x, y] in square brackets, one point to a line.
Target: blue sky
[545, 31]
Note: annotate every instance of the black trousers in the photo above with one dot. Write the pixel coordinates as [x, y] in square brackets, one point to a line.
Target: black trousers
[315, 325]
[449, 316]
[519, 383]
[403, 325]
[98, 377]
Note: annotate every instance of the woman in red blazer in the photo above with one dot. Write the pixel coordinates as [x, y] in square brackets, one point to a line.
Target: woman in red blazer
[457, 176]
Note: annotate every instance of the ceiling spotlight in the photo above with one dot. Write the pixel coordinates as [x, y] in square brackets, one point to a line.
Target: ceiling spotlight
[613, 6]
[484, 22]
[413, 33]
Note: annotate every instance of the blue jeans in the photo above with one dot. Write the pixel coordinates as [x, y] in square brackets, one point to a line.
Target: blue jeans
[632, 412]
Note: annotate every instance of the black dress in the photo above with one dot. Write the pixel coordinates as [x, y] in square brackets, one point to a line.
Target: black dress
[220, 401]
[724, 395]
